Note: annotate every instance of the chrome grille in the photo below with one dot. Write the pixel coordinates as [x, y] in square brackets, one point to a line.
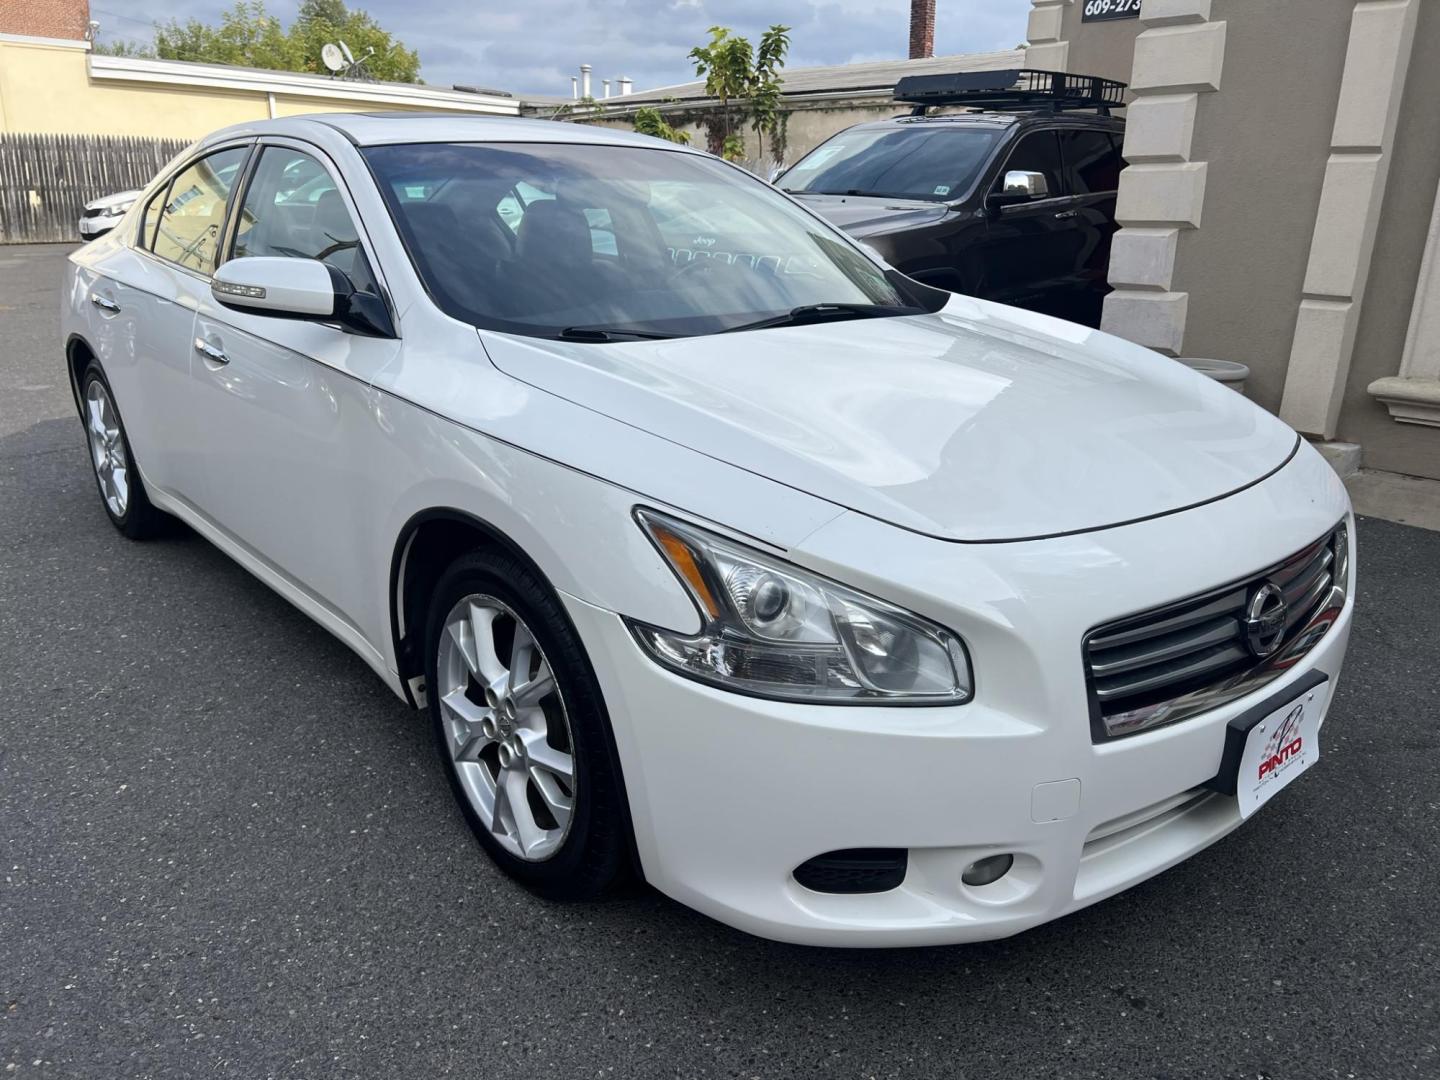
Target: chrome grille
[1163, 665]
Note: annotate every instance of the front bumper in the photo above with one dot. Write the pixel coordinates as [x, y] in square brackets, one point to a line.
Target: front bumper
[92, 227]
[730, 793]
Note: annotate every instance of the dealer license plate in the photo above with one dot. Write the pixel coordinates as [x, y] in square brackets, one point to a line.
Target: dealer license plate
[1267, 748]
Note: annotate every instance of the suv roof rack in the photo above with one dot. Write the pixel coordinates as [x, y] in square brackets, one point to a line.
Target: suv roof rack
[1012, 90]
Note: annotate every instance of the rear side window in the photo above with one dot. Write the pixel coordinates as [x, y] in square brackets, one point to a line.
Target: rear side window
[194, 211]
[1092, 161]
[293, 208]
[1038, 152]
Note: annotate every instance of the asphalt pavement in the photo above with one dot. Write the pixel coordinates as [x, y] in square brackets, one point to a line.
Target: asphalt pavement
[228, 851]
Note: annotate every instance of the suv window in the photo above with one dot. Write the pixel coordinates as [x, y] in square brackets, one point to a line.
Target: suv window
[1092, 161]
[1039, 151]
[293, 208]
[936, 161]
[194, 210]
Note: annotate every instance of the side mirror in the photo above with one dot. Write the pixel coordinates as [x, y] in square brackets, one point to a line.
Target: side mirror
[1019, 186]
[299, 289]
[1025, 185]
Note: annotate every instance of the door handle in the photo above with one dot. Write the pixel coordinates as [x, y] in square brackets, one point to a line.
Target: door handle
[103, 304]
[1066, 215]
[210, 352]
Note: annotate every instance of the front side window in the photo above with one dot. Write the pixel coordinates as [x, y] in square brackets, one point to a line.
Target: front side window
[293, 208]
[539, 238]
[190, 220]
[1038, 152]
[1092, 160]
[935, 161]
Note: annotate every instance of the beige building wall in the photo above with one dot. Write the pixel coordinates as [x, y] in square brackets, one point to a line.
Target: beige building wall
[1407, 221]
[58, 87]
[1282, 206]
[1059, 40]
[1265, 137]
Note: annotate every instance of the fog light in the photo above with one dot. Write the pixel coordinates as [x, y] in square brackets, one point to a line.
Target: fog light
[988, 870]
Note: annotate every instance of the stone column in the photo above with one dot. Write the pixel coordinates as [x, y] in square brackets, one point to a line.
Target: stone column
[1377, 59]
[1178, 60]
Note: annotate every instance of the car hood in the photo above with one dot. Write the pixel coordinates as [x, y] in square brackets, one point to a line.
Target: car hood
[979, 423]
[120, 198]
[865, 215]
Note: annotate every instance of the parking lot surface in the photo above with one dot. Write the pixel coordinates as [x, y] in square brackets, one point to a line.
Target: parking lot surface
[229, 851]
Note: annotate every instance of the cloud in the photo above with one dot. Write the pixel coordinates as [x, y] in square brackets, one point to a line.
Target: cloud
[536, 45]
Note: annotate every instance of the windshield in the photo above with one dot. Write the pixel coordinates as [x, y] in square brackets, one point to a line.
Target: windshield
[545, 238]
[932, 161]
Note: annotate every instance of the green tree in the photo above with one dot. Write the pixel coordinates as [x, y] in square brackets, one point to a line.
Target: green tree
[250, 36]
[648, 121]
[764, 87]
[322, 21]
[727, 65]
[744, 82]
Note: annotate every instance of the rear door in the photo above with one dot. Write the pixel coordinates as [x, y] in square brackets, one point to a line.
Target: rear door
[146, 299]
[1092, 172]
[274, 395]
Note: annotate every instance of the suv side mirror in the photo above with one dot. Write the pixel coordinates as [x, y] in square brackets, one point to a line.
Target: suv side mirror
[1020, 186]
[291, 288]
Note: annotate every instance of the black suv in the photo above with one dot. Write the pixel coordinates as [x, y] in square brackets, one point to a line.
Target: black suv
[1015, 203]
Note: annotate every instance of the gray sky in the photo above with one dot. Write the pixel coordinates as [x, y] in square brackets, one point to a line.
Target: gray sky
[535, 46]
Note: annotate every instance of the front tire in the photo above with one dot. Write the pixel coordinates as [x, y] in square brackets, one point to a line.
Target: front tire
[521, 728]
[122, 492]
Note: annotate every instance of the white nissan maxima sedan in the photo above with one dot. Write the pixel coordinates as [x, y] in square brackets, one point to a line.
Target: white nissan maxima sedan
[842, 609]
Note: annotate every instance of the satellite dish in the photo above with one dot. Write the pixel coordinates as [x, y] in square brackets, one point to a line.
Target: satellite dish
[345, 52]
[332, 57]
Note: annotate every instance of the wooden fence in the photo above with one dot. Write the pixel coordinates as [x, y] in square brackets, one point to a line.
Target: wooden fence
[46, 180]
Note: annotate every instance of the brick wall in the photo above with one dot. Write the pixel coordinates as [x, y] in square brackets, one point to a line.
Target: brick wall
[922, 28]
[45, 18]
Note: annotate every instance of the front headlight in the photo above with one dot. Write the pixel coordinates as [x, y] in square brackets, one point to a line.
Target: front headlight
[774, 630]
[116, 211]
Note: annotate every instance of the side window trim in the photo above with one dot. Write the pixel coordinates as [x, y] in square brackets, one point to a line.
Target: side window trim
[147, 243]
[148, 246]
[239, 193]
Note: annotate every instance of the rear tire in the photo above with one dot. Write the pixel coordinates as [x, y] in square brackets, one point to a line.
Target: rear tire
[122, 492]
[521, 728]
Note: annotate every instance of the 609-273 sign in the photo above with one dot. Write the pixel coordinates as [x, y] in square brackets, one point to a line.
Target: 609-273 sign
[1098, 10]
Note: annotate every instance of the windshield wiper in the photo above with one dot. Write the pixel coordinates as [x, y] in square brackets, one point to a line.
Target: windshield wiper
[814, 313]
[608, 333]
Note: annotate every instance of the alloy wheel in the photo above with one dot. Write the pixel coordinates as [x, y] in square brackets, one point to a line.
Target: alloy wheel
[107, 448]
[506, 727]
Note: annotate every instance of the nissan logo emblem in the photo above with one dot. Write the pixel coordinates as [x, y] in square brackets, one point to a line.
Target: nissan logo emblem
[1265, 620]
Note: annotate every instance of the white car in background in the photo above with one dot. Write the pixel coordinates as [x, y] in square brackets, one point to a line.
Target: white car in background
[843, 609]
[102, 215]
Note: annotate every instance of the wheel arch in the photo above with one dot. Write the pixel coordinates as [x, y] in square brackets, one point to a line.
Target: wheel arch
[78, 354]
[426, 546]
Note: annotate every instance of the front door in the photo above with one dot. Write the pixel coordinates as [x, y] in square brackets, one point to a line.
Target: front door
[1029, 247]
[285, 402]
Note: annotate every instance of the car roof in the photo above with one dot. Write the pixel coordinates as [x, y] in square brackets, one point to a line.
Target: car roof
[381, 128]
